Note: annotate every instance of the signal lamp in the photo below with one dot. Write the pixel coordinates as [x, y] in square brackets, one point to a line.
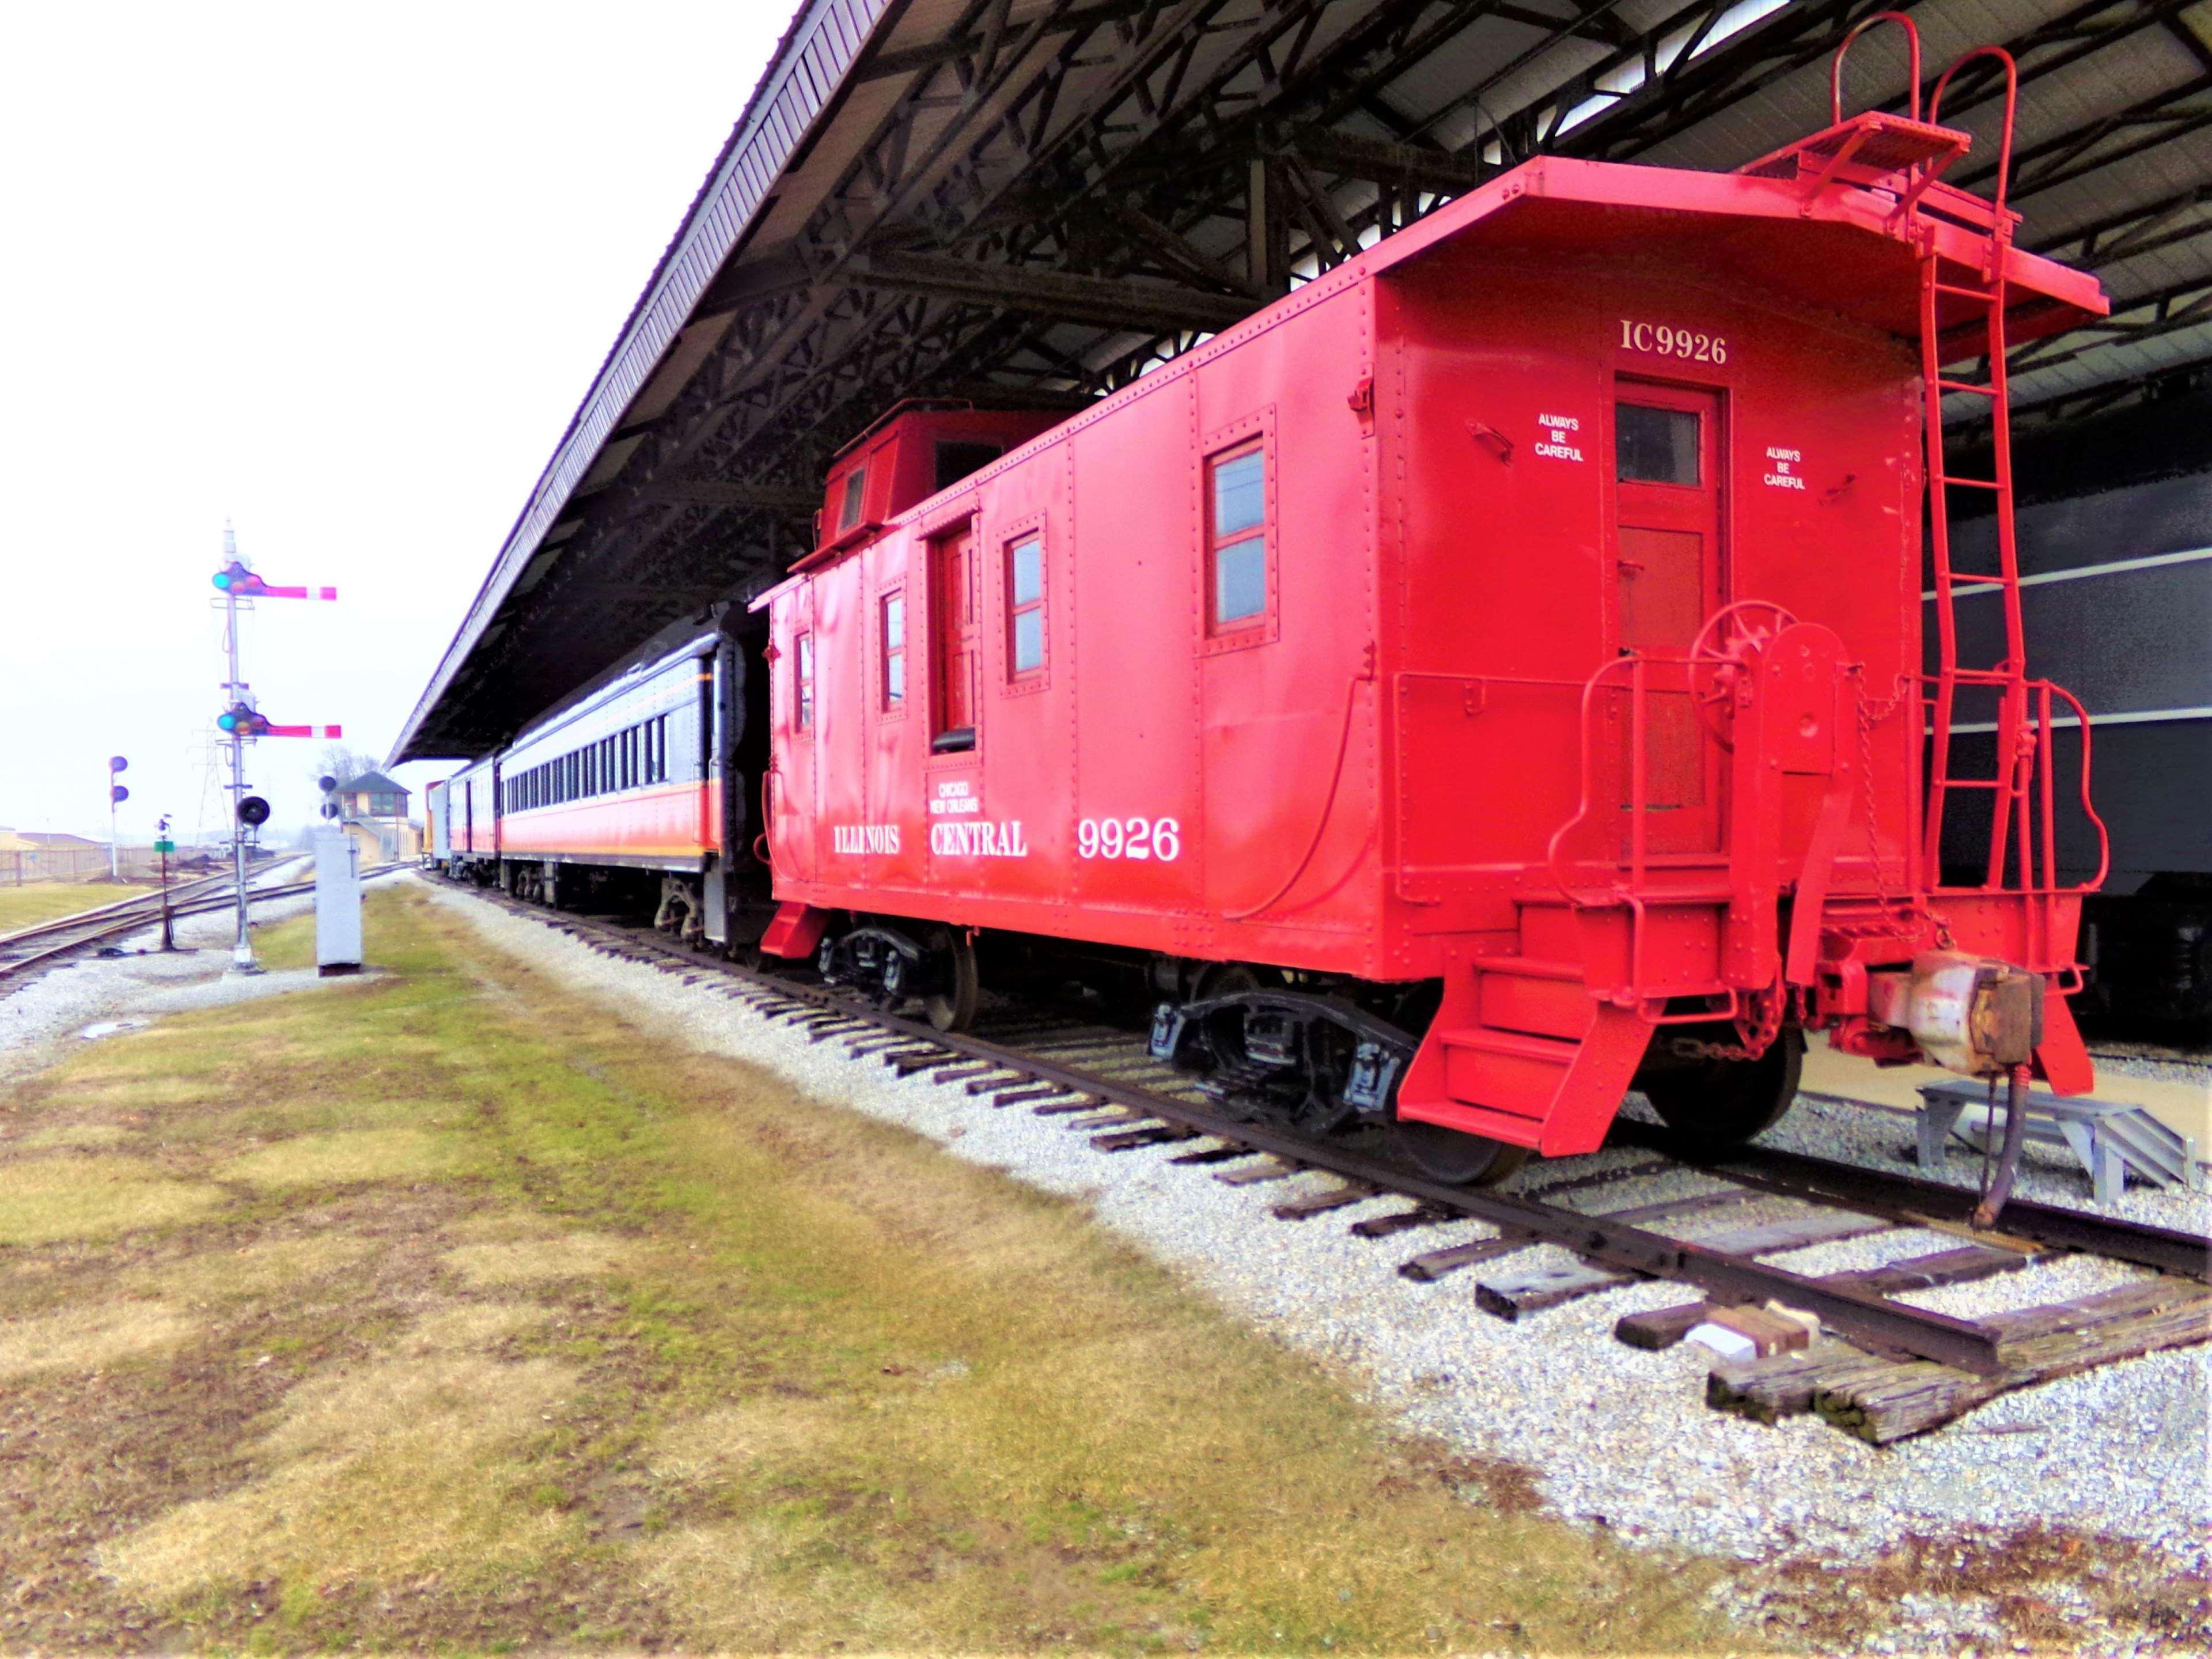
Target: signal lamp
[117, 793]
[235, 578]
[253, 811]
[241, 720]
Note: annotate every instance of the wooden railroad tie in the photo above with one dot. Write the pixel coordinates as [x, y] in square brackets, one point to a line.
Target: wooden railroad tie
[1399, 1221]
[1537, 1288]
[1335, 1198]
[1113, 1117]
[1434, 1264]
[1073, 1102]
[1016, 1093]
[1221, 1154]
[1269, 1168]
[1145, 1134]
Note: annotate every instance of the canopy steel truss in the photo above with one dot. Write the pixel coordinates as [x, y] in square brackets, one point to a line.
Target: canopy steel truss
[1039, 199]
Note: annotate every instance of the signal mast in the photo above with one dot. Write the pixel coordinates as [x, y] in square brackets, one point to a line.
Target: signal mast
[241, 720]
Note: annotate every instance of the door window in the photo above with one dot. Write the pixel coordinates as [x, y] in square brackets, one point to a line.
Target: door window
[952, 607]
[1655, 445]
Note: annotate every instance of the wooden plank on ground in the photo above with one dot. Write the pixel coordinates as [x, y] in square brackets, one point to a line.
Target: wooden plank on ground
[1783, 1384]
[2019, 1327]
[1893, 1401]
[1660, 1327]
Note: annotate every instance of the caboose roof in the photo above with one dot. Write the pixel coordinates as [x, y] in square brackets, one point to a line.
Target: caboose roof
[1838, 250]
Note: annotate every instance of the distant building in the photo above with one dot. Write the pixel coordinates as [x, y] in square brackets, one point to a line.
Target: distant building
[372, 809]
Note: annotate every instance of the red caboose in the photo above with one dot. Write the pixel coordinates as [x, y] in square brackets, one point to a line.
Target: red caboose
[1489, 676]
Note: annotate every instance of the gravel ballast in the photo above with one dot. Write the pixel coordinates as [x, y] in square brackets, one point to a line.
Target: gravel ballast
[1618, 1437]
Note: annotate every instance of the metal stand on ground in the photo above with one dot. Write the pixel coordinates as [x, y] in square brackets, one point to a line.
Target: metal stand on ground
[241, 949]
[164, 846]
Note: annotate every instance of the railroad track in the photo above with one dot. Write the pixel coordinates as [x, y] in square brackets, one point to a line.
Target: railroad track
[1880, 1367]
[46, 944]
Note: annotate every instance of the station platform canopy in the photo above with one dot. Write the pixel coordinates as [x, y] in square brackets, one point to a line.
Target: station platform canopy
[1036, 201]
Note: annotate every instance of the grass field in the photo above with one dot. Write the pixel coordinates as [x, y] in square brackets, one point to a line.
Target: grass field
[45, 900]
[442, 1310]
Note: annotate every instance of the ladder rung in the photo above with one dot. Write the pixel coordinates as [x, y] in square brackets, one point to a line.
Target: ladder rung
[1967, 386]
[1980, 582]
[1981, 294]
[1971, 484]
[1970, 783]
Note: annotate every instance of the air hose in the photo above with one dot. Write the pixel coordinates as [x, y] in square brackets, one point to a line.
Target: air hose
[2000, 1184]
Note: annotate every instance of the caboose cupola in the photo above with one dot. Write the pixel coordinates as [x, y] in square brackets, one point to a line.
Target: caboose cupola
[916, 449]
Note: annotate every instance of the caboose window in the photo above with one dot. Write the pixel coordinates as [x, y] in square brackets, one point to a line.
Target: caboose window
[894, 651]
[1025, 605]
[1654, 446]
[856, 485]
[1238, 535]
[803, 654]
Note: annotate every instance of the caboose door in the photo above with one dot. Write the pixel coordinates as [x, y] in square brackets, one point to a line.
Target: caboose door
[1667, 566]
[953, 642]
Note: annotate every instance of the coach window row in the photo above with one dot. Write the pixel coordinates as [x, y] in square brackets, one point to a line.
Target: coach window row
[636, 754]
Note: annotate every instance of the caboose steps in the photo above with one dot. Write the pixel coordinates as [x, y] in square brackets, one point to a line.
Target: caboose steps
[1505, 1071]
[1528, 994]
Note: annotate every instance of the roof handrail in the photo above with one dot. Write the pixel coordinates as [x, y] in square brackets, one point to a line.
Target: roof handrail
[1912, 47]
[2012, 105]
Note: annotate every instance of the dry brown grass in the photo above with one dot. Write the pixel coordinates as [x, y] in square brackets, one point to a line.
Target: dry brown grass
[538, 1260]
[346, 1157]
[525, 1330]
[44, 1200]
[90, 1338]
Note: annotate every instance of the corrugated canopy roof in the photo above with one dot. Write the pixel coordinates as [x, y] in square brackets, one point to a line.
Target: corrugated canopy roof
[1041, 198]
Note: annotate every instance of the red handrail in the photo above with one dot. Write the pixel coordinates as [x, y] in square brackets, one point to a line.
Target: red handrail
[1836, 64]
[2011, 107]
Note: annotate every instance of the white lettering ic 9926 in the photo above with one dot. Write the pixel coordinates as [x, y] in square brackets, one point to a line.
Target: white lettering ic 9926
[1128, 838]
[1665, 340]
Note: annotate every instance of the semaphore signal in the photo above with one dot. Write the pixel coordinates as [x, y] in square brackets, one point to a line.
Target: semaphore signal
[241, 722]
[234, 579]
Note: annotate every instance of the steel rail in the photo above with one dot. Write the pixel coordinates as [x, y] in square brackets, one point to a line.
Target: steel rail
[1910, 1199]
[136, 901]
[1875, 1320]
[203, 906]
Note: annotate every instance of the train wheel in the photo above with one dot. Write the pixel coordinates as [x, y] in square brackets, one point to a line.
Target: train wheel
[1719, 1104]
[1454, 1158]
[953, 1008]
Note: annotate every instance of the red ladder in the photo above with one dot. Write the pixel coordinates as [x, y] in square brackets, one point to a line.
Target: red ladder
[2017, 745]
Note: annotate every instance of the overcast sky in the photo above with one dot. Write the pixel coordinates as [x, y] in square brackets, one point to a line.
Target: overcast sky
[338, 274]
